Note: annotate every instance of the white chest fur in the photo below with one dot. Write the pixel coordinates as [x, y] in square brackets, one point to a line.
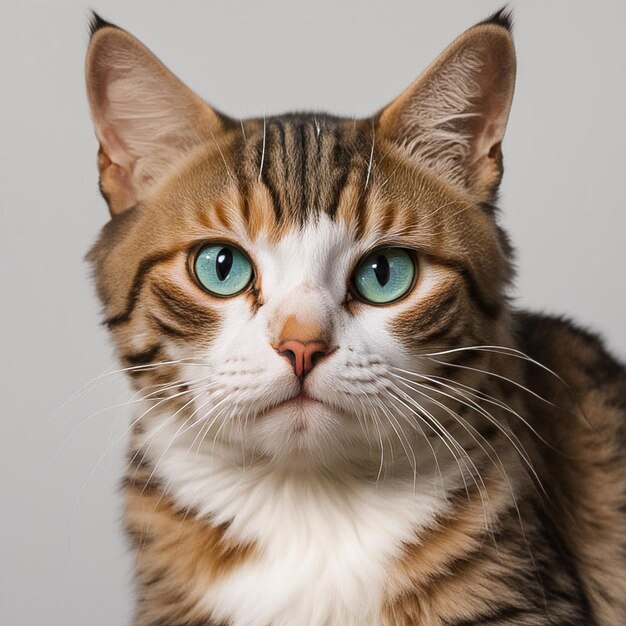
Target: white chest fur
[325, 541]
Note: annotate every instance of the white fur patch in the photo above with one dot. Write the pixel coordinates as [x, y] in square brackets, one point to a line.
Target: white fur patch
[325, 541]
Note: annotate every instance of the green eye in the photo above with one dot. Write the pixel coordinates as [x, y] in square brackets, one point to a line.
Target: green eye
[222, 270]
[384, 275]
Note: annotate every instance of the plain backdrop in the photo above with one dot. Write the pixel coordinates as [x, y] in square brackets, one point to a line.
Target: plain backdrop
[62, 555]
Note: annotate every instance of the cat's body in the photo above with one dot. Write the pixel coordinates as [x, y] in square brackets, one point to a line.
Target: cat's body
[305, 451]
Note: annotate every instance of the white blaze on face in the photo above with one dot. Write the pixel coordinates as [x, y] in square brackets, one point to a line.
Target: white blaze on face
[304, 280]
[306, 272]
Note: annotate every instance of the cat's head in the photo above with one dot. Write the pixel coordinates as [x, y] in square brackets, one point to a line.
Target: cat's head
[278, 277]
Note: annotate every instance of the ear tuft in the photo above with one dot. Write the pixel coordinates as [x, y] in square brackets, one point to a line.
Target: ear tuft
[502, 17]
[96, 23]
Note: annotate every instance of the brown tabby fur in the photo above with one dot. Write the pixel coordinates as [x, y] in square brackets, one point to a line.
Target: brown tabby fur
[555, 554]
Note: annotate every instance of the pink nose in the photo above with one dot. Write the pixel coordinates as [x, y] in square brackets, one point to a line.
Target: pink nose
[303, 356]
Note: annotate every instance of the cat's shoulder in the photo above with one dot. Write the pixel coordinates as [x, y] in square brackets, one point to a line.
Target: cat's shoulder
[576, 353]
[582, 416]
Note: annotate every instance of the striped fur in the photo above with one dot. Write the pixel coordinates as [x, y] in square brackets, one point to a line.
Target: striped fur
[454, 462]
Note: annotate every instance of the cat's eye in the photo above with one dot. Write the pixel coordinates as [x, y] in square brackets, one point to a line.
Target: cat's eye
[385, 275]
[222, 269]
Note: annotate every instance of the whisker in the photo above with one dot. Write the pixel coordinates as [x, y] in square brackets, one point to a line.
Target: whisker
[135, 421]
[217, 145]
[369, 164]
[502, 470]
[515, 352]
[173, 438]
[263, 149]
[481, 395]
[410, 455]
[440, 432]
[104, 376]
[504, 350]
[513, 439]
[467, 426]
[466, 401]
[473, 471]
[377, 424]
[418, 427]
[500, 376]
[90, 475]
[177, 434]
[93, 415]
[362, 423]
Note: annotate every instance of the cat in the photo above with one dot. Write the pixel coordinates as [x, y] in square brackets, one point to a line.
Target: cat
[341, 418]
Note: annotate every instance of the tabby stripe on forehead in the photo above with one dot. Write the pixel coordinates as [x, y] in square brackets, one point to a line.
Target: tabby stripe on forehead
[361, 213]
[305, 170]
[269, 160]
[336, 167]
[299, 201]
[221, 214]
[310, 181]
[245, 206]
[339, 158]
[140, 276]
[284, 166]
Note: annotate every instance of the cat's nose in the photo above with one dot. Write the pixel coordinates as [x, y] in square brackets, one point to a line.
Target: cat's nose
[302, 355]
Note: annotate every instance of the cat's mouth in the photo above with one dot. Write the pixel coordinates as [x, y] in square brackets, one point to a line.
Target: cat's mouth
[300, 400]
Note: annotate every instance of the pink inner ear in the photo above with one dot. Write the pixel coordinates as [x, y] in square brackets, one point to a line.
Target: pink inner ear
[115, 184]
[115, 148]
[145, 118]
[494, 151]
[487, 142]
[496, 87]
[452, 119]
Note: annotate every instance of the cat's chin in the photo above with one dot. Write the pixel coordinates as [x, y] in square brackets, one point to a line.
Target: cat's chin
[301, 429]
[299, 405]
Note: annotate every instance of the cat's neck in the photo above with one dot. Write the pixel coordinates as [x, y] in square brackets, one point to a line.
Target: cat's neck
[223, 482]
[337, 533]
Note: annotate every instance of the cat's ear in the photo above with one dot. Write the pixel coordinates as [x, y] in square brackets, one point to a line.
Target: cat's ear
[453, 117]
[145, 118]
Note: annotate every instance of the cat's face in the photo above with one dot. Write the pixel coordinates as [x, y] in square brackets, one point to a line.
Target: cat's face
[277, 278]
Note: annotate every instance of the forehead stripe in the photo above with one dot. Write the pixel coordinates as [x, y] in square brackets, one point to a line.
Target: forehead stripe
[269, 148]
[304, 164]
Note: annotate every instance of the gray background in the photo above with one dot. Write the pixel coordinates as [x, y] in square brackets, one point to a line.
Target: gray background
[62, 558]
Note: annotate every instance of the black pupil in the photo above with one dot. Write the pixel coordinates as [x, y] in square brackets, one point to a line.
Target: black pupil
[223, 263]
[381, 269]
